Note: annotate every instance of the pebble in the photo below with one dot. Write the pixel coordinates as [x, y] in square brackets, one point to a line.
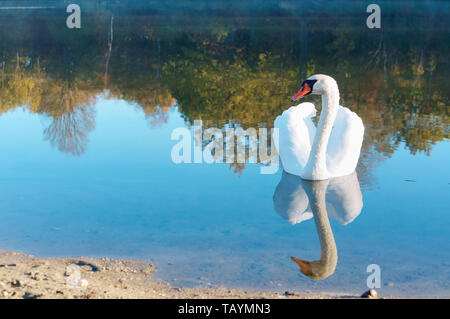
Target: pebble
[31, 295]
[288, 293]
[371, 293]
[147, 271]
[16, 283]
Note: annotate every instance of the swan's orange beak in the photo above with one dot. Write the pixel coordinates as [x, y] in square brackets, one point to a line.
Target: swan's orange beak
[304, 90]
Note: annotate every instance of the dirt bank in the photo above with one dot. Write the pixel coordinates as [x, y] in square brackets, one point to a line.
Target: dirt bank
[25, 276]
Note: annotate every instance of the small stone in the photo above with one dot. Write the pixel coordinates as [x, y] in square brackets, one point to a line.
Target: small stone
[288, 293]
[16, 283]
[31, 295]
[371, 293]
[147, 271]
[5, 293]
[84, 283]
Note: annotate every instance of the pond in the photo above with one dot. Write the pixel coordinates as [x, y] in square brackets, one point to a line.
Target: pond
[87, 117]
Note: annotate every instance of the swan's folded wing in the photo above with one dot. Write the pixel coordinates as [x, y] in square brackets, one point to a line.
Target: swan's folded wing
[296, 132]
[345, 143]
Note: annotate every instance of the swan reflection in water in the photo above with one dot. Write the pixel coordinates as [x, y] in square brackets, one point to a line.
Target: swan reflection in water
[297, 200]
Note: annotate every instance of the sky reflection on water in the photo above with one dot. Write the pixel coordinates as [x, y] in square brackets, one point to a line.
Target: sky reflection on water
[202, 223]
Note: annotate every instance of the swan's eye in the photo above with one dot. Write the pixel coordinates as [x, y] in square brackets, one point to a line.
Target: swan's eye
[310, 83]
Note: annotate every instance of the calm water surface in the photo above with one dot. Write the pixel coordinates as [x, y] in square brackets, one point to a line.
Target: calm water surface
[86, 120]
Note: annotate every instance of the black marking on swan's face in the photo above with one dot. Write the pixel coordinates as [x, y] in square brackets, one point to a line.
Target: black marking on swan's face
[305, 89]
[310, 83]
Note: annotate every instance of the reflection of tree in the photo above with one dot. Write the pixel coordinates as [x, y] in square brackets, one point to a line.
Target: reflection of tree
[73, 118]
[154, 101]
[216, 85]
[67, 105]
[69, 131]
[20, 85]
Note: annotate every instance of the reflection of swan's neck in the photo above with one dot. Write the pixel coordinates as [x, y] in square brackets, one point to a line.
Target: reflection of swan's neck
[324, 267]
[328, 255]
[316, 168]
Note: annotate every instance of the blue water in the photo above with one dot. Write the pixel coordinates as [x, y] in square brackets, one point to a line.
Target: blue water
[204, 225]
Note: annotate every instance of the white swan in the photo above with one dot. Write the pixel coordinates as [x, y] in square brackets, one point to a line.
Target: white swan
[330, 150]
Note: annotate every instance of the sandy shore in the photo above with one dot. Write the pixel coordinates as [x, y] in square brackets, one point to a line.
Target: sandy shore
[25, 276]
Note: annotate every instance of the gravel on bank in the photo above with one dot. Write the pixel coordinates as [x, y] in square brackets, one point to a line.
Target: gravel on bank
[25, 276]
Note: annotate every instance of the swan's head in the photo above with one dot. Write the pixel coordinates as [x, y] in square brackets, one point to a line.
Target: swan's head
[316, 84]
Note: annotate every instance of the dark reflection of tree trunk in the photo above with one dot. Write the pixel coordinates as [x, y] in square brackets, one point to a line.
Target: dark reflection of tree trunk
[158, 71]
[3, 74]
[110, 42]
[385, 70]
[303, 46]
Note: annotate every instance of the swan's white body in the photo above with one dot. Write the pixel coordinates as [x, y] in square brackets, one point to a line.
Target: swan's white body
[330, 150]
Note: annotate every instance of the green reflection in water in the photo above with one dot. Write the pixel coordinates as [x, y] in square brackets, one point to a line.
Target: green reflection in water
[231, 68]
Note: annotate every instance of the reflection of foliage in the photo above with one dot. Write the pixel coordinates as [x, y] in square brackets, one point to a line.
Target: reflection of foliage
[419, 112]
[62, 97]
[154, 101]
[19, 85]
[66, 104]
[220, 86]
[228, 72]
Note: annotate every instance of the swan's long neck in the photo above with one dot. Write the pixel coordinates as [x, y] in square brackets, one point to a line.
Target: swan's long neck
[316, 167]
